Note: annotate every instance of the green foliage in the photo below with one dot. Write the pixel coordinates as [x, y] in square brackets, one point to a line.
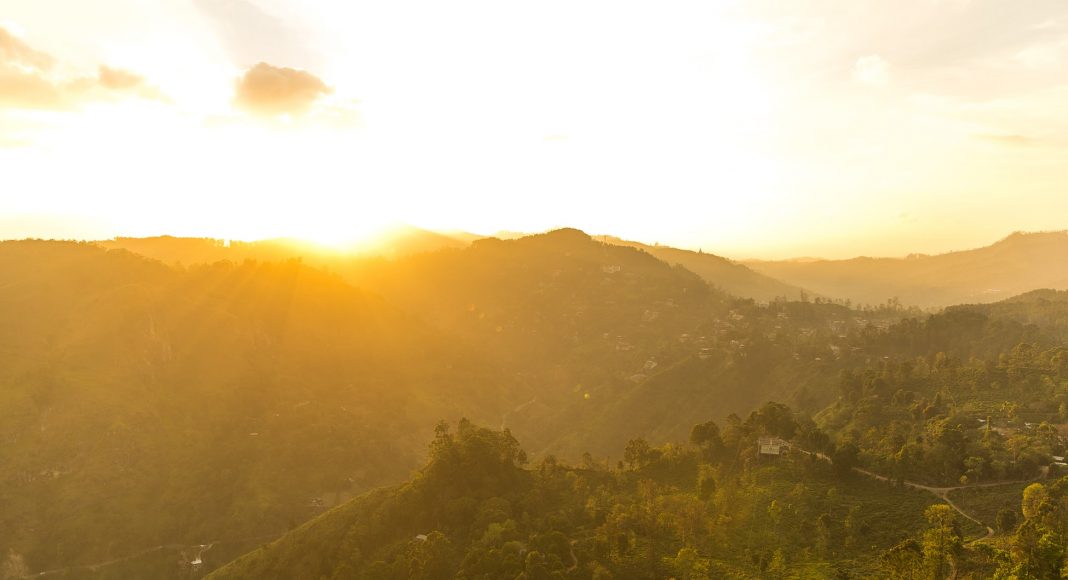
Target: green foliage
[486, 517]
[942, 542]
[235, 401]
[845, 459]
[1006, 520]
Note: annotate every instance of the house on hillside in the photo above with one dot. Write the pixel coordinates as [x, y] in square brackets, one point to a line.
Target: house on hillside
[772, 447]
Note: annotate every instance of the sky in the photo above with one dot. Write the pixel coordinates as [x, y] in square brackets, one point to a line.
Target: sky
[762, 129]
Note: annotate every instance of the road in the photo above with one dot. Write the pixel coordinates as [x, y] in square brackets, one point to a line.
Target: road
[941, 492]
[95, 566]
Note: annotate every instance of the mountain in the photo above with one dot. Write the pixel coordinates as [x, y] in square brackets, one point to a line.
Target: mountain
[406, 240]
[934, 461]
[403, 241]
[600, 336]
[227, 401]
[1014, 265]
[234, 400]
[475, 512]
[612, 342]
[394, 242]
[731, 277]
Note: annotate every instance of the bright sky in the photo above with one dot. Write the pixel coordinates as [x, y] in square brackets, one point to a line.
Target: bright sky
[749, 129]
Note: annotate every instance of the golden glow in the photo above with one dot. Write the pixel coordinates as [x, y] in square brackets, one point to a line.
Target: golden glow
[742, 130]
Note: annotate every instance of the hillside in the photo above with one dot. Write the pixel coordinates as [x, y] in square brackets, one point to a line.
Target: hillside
[401, 242]
[1019, 263]
[475, 512]
[1045, 308]
[613, 342]
[235, 400]
[729, 276]
[597, 337]
[227, 401]
[586, 329]
[965, 407]
[395, 242]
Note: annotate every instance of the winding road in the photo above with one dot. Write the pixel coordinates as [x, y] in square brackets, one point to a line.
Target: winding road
[95, 566]
[941, 492]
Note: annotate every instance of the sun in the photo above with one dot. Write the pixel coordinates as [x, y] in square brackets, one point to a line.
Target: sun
[341, 233]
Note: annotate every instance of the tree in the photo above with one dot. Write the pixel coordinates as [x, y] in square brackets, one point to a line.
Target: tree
[975, 467]
[430, 558]
[904, 560]
[1006, 520]
[777, 566]
[706, 483]
[775, 419]
[688, 565]
[942, 541]
[13, 567]
[845, 458]
[637, 453]
[1039, 551]
[706, 436]
[1034, 496]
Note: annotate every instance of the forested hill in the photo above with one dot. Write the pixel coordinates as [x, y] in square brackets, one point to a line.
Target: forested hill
[713, 511]
[731, 277]
[231, 400]
[226, 401]
[1019, 263]
[395, 242]
[615, 343]
[1044, 308]
[936, 460]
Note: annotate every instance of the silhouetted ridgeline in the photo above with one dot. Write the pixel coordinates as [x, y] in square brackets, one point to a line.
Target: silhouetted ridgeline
[1019, 263]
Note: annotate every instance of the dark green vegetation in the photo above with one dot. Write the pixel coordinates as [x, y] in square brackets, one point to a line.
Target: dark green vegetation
[699, 512]
[237, 400]
[712, 510]
[949, 420]
[986, 504]
[147, 409]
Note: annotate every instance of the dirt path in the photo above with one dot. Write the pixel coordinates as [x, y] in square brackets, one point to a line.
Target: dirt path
[574, 558]
[97, 565]
[941, 492]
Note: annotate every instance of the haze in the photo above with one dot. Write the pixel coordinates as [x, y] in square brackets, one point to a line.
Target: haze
[753, 129]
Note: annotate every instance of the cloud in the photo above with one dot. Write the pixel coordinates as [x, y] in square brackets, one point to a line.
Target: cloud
[1010, 140]
[1048, 56]
[117, 79]
[250, 34]
[27, 81]
[270, 90]
[872, 70]
[14, 51]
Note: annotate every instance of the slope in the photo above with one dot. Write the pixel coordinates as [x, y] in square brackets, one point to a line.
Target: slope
[1016, 264]
[145, 405]
[474, 512]
[731, 277]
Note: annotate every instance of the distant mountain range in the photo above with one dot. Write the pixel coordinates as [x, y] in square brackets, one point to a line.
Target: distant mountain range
[395, 242]
[727, 275]
[1019, 263]
[260, 383]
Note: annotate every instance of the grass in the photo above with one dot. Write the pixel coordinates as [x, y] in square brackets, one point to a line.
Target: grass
[984, 503]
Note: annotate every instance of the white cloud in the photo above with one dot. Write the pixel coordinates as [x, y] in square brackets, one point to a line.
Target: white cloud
[1042, 56]
[872, 70]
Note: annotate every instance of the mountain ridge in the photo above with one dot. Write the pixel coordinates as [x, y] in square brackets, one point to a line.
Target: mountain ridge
[1017, 263]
